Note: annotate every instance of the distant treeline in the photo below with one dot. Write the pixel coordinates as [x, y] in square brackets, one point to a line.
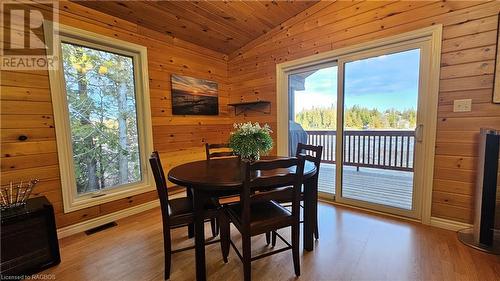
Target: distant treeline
[357, 117]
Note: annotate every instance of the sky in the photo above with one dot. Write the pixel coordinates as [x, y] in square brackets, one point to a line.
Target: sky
[388, 81]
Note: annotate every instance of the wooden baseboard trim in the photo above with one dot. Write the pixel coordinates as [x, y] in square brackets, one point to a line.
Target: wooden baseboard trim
[449, 224]
[436, 222]
[95, 222]
[369, 211]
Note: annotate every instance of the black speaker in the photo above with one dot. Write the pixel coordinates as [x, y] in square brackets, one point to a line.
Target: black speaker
[28, 239]
[484, 235]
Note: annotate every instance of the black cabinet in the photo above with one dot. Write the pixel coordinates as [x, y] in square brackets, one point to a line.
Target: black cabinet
[28, 239]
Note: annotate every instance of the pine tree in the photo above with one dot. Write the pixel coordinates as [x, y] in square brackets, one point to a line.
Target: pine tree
[356, 117]
[101, 102]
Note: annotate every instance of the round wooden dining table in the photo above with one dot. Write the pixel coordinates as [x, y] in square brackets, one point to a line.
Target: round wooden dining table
[211, 178]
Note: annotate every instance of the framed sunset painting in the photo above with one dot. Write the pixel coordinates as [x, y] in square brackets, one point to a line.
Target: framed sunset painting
[194, 96]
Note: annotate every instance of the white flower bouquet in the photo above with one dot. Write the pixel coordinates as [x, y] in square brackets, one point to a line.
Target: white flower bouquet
[251, 140]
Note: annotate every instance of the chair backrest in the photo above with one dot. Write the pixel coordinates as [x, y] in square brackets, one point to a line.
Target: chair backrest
[279, 179]
[312, 153]
[161, 184]
[218, 153]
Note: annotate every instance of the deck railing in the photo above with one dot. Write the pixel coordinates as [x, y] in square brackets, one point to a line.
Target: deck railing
[393, 150]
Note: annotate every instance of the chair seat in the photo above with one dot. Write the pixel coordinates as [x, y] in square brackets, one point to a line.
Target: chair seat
[264, 216]
[184, 206]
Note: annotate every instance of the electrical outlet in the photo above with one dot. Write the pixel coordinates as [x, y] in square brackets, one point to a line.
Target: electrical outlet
[464, 105]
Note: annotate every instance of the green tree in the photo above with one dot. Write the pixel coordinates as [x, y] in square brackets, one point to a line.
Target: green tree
[356, 117]
[101, 102]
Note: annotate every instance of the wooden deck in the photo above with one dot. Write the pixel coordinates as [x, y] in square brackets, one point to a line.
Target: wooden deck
[386, 187]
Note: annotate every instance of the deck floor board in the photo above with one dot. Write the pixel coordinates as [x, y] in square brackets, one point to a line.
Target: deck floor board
[386, 187]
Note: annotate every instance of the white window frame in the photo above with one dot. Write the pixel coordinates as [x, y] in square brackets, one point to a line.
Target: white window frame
[71, 200]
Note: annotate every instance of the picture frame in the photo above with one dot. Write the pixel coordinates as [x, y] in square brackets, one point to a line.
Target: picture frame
[194, 96]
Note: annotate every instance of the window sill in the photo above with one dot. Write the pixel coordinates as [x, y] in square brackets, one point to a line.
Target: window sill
[90, 200]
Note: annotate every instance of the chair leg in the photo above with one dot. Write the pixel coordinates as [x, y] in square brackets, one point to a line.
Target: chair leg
[190, 230]
[273, 242]
[315, 214]
[225, 234]
[316, 231]
[167, 249]
[268, 238]
[189, 194]
[247, 268]
[213, 226]
[295, 249]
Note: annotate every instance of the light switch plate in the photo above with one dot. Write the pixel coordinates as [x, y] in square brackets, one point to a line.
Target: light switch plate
[464, 105]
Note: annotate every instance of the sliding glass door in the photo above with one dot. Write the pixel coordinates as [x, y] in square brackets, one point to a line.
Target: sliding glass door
[313, 115]
[379, 108]
[366, 110]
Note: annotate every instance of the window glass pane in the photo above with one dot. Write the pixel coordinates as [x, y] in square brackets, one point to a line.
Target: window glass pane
[380, 115]
[103, 118]
[313, 117]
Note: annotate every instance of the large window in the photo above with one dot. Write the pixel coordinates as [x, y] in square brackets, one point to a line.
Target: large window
[102, 118]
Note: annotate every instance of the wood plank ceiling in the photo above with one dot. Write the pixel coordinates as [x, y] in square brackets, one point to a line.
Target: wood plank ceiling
[222, 26]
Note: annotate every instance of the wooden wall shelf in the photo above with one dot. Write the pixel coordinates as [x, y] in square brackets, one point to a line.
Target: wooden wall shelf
[242, 107]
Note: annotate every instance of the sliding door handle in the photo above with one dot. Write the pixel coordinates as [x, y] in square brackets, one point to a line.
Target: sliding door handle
[419, 133]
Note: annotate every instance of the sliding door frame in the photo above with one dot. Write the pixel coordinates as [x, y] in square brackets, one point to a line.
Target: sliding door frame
[432, 35]
[423, 45]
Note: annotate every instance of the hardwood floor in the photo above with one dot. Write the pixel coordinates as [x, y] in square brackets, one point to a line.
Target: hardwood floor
[353, 246]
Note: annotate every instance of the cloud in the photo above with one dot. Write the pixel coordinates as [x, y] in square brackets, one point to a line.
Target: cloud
[385, 74]
[309, 99]
[388, 81]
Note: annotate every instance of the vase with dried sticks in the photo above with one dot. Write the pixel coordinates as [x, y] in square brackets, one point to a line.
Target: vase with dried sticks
[15, 194]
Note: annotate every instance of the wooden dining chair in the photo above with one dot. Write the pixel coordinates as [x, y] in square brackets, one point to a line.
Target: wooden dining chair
[176, 212]
[213, 151]
[221, 150]
[313, 154]
[265, 182]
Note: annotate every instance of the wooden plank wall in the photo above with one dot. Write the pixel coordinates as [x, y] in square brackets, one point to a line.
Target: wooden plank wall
[467, 72]
[26, 109]
[468, 53]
